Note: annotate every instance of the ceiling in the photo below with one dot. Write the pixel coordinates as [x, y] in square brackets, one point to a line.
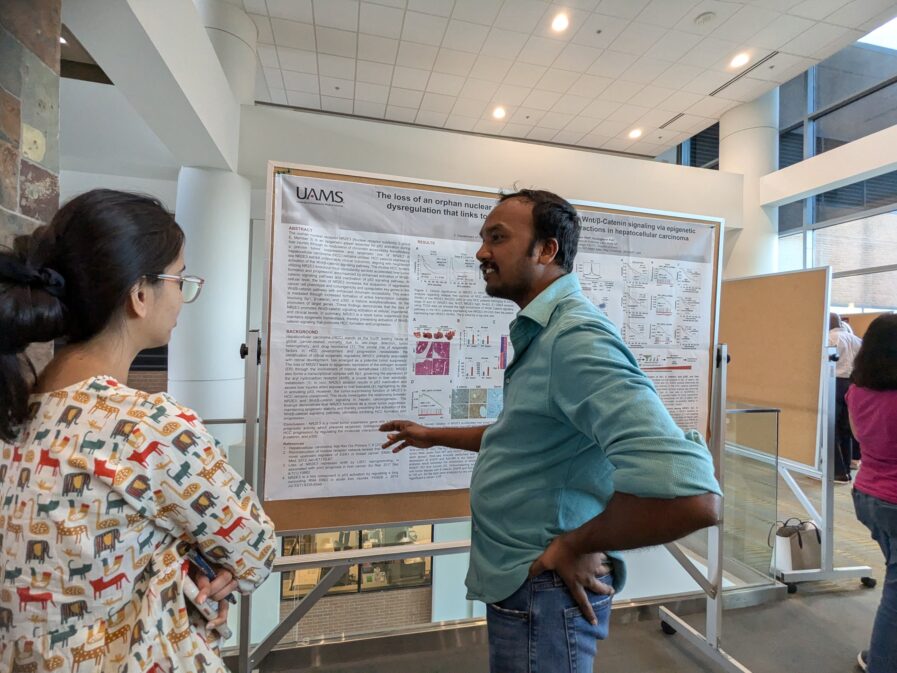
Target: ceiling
[620, 65]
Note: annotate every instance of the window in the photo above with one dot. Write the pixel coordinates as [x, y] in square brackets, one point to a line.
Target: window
[858, 244]
[858, 197]
[851, 71]
[791, 252]
[868, 293]
[791, 146]
[860, 118]
[791, 216]
[704, 149]
[793, 101]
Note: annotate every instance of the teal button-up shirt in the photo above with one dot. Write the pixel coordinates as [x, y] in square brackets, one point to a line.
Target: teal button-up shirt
[580, 421]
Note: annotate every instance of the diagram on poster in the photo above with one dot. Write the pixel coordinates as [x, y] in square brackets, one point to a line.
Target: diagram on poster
[378, 311]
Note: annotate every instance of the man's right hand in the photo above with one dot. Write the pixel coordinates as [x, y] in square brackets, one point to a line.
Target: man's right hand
[408, 433]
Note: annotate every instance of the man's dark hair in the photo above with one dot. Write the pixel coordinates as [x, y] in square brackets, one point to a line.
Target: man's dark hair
[875, 365]
[553, 217]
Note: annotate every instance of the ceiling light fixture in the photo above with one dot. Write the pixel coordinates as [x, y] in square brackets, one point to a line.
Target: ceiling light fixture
[740, 60]
[635, 133]
[704, 18]
[499, 112]
[62, 40]
[560, 23]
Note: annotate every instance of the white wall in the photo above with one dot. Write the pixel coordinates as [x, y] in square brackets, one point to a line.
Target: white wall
[72, 183]
[282, 134]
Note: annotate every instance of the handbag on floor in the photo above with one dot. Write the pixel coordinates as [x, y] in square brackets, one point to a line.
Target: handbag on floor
[798, 545]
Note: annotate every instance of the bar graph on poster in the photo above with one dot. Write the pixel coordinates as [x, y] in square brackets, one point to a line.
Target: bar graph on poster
[377, 311]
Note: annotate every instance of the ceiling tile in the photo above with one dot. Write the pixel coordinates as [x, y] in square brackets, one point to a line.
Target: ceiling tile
[504, 43]
[379, 49]
[637, 38]
[645, 70]
[431, 118]
[542, 100]
[816, 10]
[465, 36]
[576, 57]
[745, 23]
[566, 137]
[620, 91]
[557, 80]
[295, 10]
[611, 128]
[342, 14]
[414, 55]
[338, 42]
[612, 64]
[526, 116]
[575, 18]
[542, 134]
[540, 51]
[582, 124]
[590, 85]
[268, 56]
[678, 75]
[279, 96]
[477, 11]
[673, 45]
[255, 6]
[522, 15]
[306, 100]
[400, 4]
[510, 94]
[524, 74]
[410, 78]
[405, 98]
[336, 66]
[423, 28]
[779, 67]
[746, 89]
[460, 123]
[292, 34]
[595, 140]
[454, 62]
[646, 148]
[365, 108]
[707, 81]
[375, 73]
[858, 12]
[478, 90]
[516, 130]
[295, 59]
[401, 114]
[440, 82]
[652, 95]
[491, 68]
[711, 106]
[555, 120]
[808, 42]
[371, 93]
[709, 52]
[780, 5]
[778, 33]
[437, 102]
[722, 10]
[599, 31]
[341, 105]
[380, 20]
[665, 12]
[571, 104]
[300, 81]
[628, 114]
[617, 144]
[274, 78]
[626, 9]
[488, 126]
[655, 117]
[679, 101]
[337, 88]
[263, 24]
[437, 7]
[467, 107]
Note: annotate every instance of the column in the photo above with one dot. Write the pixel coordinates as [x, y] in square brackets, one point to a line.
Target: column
[749, 144]
[234, 37]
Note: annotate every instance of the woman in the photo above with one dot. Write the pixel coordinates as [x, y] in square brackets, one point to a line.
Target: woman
[106, 489]
[872, 404]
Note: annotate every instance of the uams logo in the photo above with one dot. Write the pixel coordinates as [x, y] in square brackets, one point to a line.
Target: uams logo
[323, 196]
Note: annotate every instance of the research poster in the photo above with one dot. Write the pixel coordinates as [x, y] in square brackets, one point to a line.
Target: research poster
[378, 312]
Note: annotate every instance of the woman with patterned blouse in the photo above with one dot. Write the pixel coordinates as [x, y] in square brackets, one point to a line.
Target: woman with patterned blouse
[104, 490]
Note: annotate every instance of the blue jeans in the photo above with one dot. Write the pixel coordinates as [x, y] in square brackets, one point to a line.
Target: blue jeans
[540, 629]
[880, 518]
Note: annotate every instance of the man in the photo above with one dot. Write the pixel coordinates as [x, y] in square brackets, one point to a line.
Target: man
[847, 344]
[583, 459]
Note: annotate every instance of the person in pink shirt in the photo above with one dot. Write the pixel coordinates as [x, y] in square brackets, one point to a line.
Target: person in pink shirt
[872, 404]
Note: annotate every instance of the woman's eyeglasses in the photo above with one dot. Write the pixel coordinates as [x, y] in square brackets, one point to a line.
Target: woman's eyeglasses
[190, 285]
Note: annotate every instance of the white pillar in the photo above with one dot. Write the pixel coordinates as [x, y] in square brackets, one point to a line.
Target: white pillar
[234, 37]
[749, 144]
[204, 366]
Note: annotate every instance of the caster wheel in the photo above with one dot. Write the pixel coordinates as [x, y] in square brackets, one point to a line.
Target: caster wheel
[868, 582]
[792, 587]
[667, 629]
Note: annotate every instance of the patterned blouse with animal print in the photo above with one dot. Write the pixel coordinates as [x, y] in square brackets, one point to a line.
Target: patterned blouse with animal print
[101, 491]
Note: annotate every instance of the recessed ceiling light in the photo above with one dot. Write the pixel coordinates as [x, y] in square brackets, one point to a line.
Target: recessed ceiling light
[740, 59]
[62, 40]
[560, 23]
[499, 112]
[635, 133]
[704, 18]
